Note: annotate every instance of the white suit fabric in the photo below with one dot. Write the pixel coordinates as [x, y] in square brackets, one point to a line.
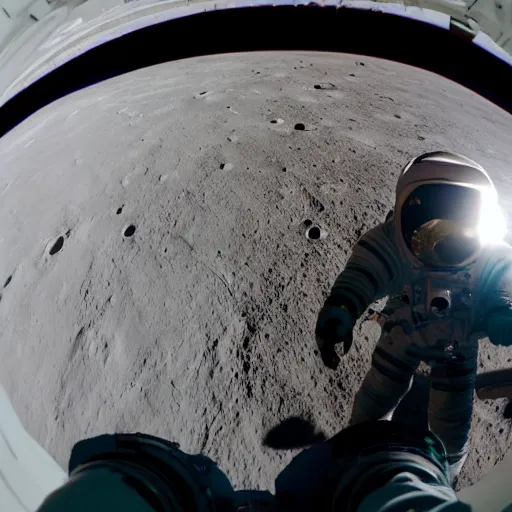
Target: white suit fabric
[375, 270]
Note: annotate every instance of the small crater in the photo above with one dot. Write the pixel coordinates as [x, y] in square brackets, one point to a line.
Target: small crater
[420, 137]
[9, 279]
[277, 121]
[398, 116]
[57, 246]
[227, 167]
[284, 169]
[245, 344]
[120, 210]
[300, 126]
[351, 74]
[308, 222]
[325, 87]
[315, 233]
[233, 138]
[129, 231]
[163, 177]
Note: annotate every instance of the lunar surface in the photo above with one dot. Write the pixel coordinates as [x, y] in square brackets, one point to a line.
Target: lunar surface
[155, 270]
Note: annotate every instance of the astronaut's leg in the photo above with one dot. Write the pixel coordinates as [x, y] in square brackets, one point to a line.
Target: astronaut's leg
[388, 380]
[451, 406]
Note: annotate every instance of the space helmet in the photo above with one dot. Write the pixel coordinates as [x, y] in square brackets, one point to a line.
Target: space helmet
[446, 211]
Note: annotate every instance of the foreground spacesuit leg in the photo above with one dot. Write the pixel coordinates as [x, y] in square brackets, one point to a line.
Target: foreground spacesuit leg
[388, 380]
[451, 406]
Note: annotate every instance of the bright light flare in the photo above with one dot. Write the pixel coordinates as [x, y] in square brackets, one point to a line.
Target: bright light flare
[492, 226]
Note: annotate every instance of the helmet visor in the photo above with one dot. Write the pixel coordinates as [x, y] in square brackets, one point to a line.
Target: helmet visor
[439, 224]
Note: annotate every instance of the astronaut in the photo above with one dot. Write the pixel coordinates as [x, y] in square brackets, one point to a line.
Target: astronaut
[441, 260]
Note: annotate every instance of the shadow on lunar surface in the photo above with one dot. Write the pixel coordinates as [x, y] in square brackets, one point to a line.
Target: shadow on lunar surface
[297, 432]
[507, 413]
[129, 231]
[57, 246]
[293, 432]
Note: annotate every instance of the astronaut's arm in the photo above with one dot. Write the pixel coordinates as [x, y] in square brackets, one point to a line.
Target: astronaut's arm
[372, 267]
[496, 297]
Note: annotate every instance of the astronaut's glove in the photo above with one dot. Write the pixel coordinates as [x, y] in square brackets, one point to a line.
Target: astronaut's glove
[334, 325]
[499, 327]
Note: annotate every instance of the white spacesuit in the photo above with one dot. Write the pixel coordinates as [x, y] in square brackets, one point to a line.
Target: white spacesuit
[442, 261]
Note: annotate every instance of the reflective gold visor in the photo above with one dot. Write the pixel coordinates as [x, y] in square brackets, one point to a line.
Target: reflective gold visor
[439, 224]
